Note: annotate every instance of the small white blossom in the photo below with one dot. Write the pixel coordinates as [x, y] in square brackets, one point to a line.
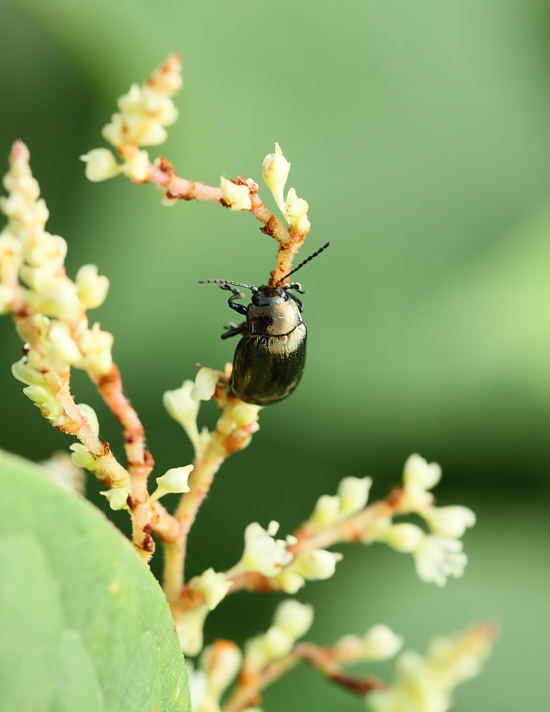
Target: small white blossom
[449, 521]
[418, 471]
[136, 166]
[245, 414]
[82, 457]
[310, 565]
[189, 627]
[206, 381]
[213, 586]
[380, 643]
[183, 409]
[293, 617]
[117, 497]
[62, 348]
[403, 537]
[236, 196]
[100, 164]
[262, 553]
[438, 557]
[96, 347]
[296, 212]
[89, 413]
[326, 512]
[220, 662]
[92, 287]
[198, 686]
[275, 170]
[354, 494]
[175, 480]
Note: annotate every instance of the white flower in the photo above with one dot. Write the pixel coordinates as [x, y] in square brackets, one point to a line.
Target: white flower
[117, 497]
[326, 512]
[173, 480]
[96, 346]
[182, 408]
[206, 381]
[92, 287]
[293, 617]
[418, 471]
[449, 521]
[198, 686]
[236, 196]
[296, 211]
[62, 348]
[213, 586]
[275, 170]
[380, 643]
[189, 628]
[89, 413]
[310, 565]
[438, 557]
[82, 457]
[245, 414]
[220, 662]
[426, 684]
[137, 166]
[261, 553]
[403, 537]
[100, 164]
[354, 494]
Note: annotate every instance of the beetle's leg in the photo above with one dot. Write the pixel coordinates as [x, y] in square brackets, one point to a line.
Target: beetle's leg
[297, 300]
[240, 308]
[296, 286]
[241, 329]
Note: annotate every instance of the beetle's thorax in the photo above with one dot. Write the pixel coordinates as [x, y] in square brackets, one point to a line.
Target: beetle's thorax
[272, 313]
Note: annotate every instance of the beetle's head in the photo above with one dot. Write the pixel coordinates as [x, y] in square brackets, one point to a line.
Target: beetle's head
[268, 296]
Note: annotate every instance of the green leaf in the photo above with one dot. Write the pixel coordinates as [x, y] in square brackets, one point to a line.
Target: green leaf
[85, 626]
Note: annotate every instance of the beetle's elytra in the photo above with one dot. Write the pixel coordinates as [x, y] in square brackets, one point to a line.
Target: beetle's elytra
[270, 358]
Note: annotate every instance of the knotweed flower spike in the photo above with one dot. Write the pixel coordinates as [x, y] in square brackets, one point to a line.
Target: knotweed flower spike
[50, 311]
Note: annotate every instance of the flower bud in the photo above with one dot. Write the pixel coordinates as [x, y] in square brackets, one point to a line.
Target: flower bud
[62, 350]
[206, 381]
[213, 586]
[449, 521]
[326, 511]
[275, 170]
[276, 643]
[294, 618]
[89, 413]
[403, 537]
[96, 346]
[82, 457]
[354, 494]
[236, 196]
[221, 662]
[92, 288]
[317, 564]
[117, 497]
[295, 211]
[174, 480]
[189, 628]
[380, 643]
[100, 164]
[417, 471]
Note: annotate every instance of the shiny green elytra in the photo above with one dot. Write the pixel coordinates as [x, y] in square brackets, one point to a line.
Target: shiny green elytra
[270, 358]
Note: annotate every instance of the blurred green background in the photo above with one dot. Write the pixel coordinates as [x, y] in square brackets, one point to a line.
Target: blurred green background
[419, 132]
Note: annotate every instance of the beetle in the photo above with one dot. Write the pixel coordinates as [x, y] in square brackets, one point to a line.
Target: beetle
[270, 358]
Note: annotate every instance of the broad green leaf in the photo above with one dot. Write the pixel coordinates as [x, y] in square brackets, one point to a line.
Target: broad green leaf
[85, 626]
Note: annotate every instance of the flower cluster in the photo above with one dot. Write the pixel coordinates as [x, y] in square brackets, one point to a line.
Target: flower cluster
[275, 173]
[49, 308]
[183, 406]
[426, 683]
[143, 114]
[437, 554]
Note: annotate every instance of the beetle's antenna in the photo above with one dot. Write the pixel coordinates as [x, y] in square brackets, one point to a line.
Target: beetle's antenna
[225, 281]
[321, 249]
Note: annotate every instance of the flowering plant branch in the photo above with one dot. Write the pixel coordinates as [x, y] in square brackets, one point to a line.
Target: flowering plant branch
[50, 313]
